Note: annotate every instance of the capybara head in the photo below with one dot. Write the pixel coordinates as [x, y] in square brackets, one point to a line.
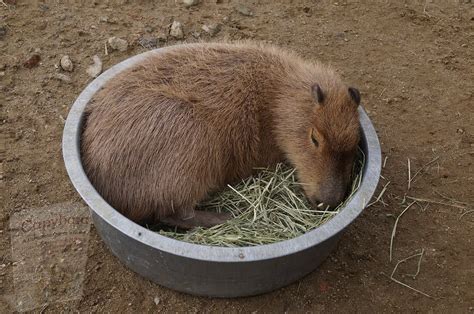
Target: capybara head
[326, 144]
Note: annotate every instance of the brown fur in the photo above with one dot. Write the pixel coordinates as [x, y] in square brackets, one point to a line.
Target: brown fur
[163, 135]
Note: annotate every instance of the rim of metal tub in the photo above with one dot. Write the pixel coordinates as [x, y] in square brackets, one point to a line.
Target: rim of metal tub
[73, 163]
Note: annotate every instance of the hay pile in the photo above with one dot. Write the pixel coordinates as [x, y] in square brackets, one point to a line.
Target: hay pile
[268, 207]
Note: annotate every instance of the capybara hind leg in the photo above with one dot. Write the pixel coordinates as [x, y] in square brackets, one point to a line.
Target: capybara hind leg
[200, 219]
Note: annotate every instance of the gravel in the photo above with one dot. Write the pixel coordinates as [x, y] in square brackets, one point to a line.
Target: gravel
[95, 69]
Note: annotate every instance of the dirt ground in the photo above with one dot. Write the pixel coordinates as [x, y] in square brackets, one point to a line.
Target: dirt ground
[414, 64]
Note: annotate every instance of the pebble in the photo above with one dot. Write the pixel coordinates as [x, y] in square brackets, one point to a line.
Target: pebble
[62, 77]
[211, 29]
[147, 41]
[190, 3]
[176, 30]
[117, 43]
[32, 61]
[43, 7]
[66, 63]
[3, 32]
[95, 69]
[156, 300]
[242, 9]
[162, 36]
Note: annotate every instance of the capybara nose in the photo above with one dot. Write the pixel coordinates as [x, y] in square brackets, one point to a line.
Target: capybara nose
[323, 205]
[331, 198]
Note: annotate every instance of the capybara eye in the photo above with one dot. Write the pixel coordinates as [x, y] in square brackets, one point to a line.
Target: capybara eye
[355, 95]
[317, 93]
[313, 138]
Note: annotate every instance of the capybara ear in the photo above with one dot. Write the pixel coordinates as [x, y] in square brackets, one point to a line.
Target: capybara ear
[355, 95]
[317, 93]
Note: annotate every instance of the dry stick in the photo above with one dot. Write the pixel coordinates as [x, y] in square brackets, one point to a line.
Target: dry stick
[466, 212]
[380, 195]
[384, 162]
[424, 8]
[435, 202]
[394, 230]
[424, 167]
[409, 172]
[466, 153]
[418, 265]
[418, 270]
[452, 199]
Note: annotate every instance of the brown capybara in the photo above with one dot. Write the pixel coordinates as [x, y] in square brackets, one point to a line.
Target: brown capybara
[164, 134]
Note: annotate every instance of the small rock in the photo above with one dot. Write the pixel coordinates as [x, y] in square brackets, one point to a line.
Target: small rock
[82, 32]
[118, 43]
[156, 300]
[32, 61]
[243, 10]
[66, 63]
[196, 34]
[104, 19]
[211, 29]
[148, 42]
[62, 77]
[42, 25]
[190, 3]
[3, 32]
[176, 30]
[2, 73]
[95, 69]
[162, 36]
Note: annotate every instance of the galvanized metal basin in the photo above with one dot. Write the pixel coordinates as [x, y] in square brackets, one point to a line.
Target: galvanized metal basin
[207, 270]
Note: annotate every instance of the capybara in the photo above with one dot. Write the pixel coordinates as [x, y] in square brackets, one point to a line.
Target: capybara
[162, 135]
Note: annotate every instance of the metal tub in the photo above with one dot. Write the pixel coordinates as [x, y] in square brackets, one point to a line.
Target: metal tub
[206, 270]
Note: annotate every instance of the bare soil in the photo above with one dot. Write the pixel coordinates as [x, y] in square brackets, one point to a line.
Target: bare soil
[413, 62]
